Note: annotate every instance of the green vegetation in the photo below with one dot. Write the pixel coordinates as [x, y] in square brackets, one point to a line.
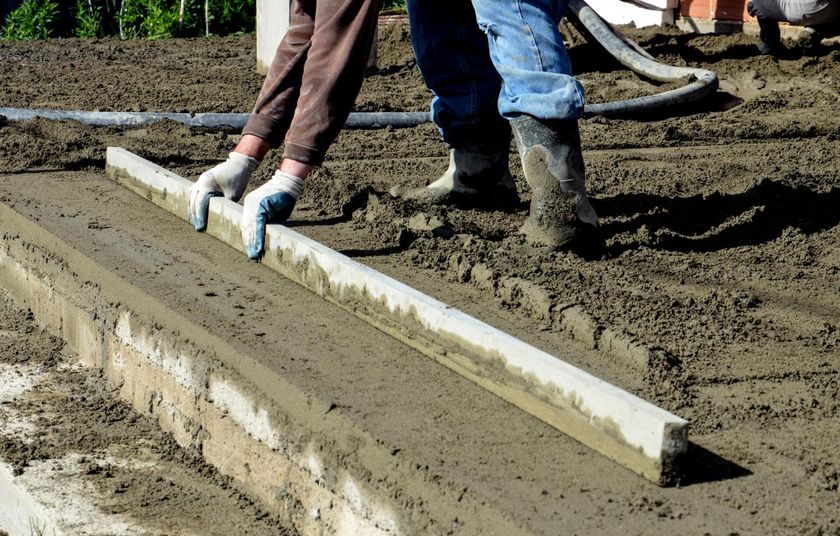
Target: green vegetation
[132, 19]
[89, 19]
[151, 19]
[129, 19]
[34, 19]
[233, 15]
[394, 6]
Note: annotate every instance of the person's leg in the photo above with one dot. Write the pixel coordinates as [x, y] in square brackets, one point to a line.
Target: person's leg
[335, 58]
[819, 17]
[267, 124]
[528, 51]
[332, 77]
[767, 13]
[275, 105]
[543, 102]
[454, 59]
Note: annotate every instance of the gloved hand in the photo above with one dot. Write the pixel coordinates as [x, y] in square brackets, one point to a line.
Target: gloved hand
[270, 203]
[228, 178]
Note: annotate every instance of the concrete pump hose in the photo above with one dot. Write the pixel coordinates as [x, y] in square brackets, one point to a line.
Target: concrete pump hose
[208, 120]
[704, 82]
[622, 49]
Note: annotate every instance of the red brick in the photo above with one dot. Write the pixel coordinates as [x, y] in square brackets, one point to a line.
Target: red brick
[715, 9]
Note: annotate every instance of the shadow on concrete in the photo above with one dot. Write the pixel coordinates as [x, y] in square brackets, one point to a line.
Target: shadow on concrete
[701, 466]
[378, 252]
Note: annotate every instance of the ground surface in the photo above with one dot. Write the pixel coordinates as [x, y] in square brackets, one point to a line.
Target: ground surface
[722, 265]
[60, 425]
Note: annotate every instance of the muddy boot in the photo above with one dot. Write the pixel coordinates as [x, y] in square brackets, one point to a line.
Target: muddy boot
[477, 175]
[561, 216]
[810, 40]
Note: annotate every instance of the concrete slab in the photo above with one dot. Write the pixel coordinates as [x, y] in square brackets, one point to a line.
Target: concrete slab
[317, 469]
[627, 429]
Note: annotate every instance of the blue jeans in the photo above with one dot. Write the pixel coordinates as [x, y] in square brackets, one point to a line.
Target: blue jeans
[486, 60]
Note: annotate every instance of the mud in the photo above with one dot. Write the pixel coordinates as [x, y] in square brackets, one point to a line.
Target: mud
[74, 424]
[716, 296]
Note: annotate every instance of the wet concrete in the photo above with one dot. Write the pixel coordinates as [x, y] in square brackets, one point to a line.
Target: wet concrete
[716, 298]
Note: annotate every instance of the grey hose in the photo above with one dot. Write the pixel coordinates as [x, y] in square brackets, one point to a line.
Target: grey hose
[704, 82]
[209, 120]
[622, 49]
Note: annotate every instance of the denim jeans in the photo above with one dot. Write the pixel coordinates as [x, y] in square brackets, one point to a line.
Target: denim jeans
[485, 60]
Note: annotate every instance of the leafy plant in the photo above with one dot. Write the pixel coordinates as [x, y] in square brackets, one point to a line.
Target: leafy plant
[159, 21]
[34, 19]
[131, 19]
[394, 6]
[88, 19]
[232, 16]
[152, 19]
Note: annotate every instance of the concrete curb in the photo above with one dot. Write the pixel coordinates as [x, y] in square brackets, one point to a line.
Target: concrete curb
[21, 514]
[315, 468]
[623, 427]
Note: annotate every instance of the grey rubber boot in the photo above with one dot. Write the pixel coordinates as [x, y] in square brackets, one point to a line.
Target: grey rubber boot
[477, 174]
[553, 166]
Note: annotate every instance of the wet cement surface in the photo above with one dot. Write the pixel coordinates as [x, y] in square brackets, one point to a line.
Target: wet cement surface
[99, 451]
[723, 256]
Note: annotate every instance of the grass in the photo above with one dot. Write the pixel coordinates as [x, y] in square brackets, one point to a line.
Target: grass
[149, 19]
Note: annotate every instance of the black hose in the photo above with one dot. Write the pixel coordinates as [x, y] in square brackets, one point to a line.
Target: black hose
[704, 82]
[208, 120]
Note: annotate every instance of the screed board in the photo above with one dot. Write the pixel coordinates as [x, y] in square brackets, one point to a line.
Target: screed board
[617, 424]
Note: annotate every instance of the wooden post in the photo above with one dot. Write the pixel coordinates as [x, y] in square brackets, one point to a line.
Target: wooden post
[272, 25]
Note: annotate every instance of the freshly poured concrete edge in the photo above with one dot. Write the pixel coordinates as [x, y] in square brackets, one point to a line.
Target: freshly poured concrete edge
[319, 470]
[21, 514]
[627, 429]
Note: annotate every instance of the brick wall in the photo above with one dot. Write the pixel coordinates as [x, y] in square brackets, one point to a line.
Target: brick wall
[715, 9]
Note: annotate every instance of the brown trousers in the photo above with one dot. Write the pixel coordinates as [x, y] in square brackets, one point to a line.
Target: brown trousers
[315, 76]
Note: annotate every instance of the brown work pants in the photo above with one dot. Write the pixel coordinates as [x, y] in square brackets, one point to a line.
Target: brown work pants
[315, 76]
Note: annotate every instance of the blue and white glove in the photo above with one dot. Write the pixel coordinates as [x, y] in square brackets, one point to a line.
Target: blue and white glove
[228, 178]
[270, 203]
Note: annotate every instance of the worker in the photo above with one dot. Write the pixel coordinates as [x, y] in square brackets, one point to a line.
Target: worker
[496, 66]
[305, 100]
[814, 15]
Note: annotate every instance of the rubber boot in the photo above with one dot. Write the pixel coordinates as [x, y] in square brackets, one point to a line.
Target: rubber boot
[769, 33]
[810, 40]
[477, 175]
[561, 215]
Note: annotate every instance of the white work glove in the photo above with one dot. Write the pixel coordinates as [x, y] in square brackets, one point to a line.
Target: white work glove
[230, 178]
[270, 203]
